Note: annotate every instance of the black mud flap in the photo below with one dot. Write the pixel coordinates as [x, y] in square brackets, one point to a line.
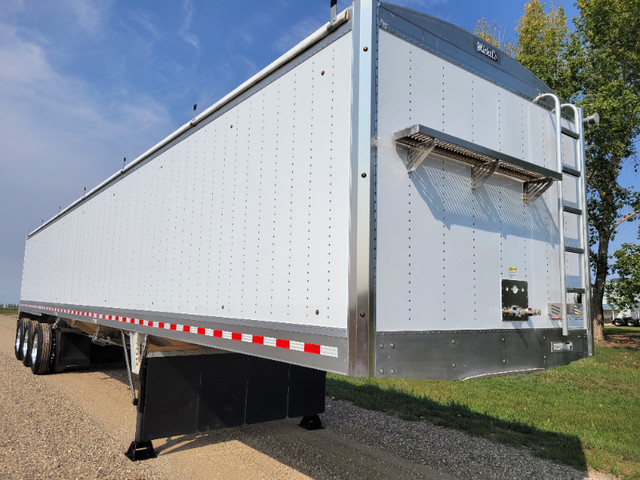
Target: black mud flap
[186, 394]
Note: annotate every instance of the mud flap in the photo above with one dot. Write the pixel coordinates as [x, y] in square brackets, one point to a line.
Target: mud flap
[186, 394]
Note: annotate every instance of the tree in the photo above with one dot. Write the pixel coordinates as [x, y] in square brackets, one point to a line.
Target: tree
[624, 291]
[606, 66]
[542, 40]
[597, 66]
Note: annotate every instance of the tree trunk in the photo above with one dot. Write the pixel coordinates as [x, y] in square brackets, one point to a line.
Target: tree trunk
[597, 297]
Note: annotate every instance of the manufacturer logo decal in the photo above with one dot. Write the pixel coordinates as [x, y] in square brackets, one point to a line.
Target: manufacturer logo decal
[487, 51]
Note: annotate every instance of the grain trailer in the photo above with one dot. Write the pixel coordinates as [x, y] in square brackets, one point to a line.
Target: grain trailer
[393, 197]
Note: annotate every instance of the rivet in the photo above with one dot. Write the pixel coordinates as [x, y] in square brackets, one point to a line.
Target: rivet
[230, 126]
[223, 307]
[362, 314]
[393, 371]
[453, 341]
[393, 345]
[503, 339]
[453, 365]
[504, 361]
[322, 72]
[381, 370]
[364, 175]
[365, 48]
[317, 312]
[381, 346]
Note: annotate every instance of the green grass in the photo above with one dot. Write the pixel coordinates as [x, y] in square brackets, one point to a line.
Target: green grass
[8, 311]
[586, 414]
[609, 329]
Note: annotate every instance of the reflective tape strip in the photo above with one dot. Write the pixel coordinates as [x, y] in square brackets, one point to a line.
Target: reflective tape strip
[297, 346]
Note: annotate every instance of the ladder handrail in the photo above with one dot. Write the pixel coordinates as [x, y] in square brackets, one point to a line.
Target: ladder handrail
[563, 273]
[581, 163]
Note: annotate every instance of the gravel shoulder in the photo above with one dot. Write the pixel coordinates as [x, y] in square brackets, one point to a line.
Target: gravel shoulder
[78, 424]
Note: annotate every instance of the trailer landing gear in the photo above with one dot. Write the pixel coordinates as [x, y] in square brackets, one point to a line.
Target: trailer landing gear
[140, 451]
[311, 422]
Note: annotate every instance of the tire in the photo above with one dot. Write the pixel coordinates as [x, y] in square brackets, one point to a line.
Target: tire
[19, 338]
[26, 344]
[618, 322]
[53, 360]
[41, 348]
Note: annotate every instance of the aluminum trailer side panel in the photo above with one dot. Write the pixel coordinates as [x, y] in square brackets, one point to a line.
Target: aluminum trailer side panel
[240, 225]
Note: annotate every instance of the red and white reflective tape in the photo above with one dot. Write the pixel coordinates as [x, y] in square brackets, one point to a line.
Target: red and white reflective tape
[324, 350]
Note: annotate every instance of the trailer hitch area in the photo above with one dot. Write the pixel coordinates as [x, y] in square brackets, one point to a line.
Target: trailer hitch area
[519, 312]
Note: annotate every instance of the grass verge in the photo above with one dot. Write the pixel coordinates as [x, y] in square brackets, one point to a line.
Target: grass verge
[612, 329]
[8, 311]
[585, 414]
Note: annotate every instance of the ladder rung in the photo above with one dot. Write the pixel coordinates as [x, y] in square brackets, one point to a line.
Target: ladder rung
[570, 209]
[570, 249]
[575, 290]
[570, 170]
[570, 133]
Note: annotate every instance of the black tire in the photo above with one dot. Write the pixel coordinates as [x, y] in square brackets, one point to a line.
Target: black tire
[41, 348]
[19, 338]
[26, 344]
[618, 322]
[53, 360]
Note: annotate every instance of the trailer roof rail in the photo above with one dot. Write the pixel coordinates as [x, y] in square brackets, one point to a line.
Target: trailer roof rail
[424, 142]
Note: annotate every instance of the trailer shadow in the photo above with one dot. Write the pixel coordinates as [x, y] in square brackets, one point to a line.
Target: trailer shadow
[558, 447]
[357, 440]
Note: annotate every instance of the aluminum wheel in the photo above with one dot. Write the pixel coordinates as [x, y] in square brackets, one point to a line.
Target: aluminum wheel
[34, 349]
[25, 347]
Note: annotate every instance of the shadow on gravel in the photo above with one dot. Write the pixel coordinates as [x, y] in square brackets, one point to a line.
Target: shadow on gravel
[277, 439]
[554, 446]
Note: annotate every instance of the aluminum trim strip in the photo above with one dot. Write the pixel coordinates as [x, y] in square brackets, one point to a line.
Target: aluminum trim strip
[360, 321]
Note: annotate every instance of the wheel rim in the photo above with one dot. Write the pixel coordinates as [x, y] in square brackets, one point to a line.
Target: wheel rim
[18, 342]
[25, 346]
[34, 349]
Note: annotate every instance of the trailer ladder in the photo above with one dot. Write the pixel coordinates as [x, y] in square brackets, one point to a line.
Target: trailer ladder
[564, 208]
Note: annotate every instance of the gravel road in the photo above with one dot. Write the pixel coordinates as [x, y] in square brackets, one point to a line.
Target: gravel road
[78, 425]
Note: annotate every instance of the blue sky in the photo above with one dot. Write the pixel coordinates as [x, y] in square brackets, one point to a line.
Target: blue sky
[84, 84]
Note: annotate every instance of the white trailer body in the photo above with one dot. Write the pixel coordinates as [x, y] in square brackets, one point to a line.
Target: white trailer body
[387, 200]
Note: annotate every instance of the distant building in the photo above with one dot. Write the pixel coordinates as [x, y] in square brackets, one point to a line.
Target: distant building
[609, 312]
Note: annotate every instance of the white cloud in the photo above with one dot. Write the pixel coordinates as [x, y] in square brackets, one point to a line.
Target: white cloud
[298, 32]
[87, 16]
[58, 135]
[184, 33]
[144, 19]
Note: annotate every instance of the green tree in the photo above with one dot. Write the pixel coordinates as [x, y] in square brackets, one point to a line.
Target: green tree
[597, 66]
[605, 64]
[542, 40]
[624, 291]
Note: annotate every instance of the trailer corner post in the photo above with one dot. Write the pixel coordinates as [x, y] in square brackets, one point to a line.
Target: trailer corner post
[361, 322]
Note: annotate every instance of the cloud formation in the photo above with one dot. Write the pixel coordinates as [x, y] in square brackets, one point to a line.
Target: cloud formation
[58, 132]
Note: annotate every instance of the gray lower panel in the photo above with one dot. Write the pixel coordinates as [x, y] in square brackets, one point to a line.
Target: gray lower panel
[461, 355]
